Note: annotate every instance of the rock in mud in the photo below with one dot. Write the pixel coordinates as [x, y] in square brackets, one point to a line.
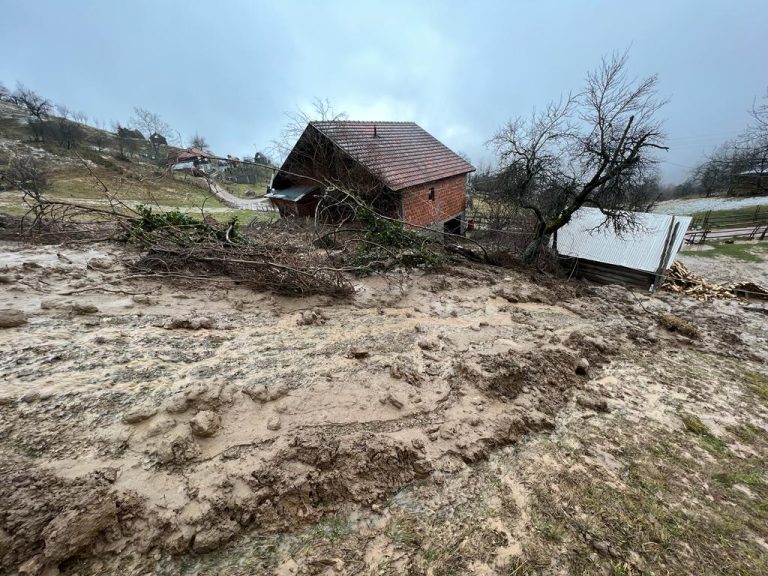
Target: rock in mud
[74, 530]
[161, 426]
[592, 402]
[205, 423]
[100, 263]
[311, 318]
[582, 367]
[12, 318]
[265, 393]
[194, 323]
[84, 309]
[178, 449]
[429, 344]
[357, 353]
[209, 539]
[139, 413]
[274, 423]
[177, 403]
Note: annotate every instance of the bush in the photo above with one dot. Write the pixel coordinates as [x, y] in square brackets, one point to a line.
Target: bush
[387, 244]
[183, 229]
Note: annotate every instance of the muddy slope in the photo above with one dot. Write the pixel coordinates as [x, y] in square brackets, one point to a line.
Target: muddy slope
[144, 421]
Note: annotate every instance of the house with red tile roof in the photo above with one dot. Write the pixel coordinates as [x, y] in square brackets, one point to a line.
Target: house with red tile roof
[396, 167]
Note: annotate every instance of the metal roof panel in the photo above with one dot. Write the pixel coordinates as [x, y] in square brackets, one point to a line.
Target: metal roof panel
[639, 249]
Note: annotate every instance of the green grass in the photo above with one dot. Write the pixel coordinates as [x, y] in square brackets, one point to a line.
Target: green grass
[137, 186]
[733, 212]
[757, 384]
[748, 252]
[670, 507]
[694, 424]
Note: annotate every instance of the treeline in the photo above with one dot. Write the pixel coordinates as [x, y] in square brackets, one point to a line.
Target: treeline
[738, 166]
[146, 134]
[57, 124]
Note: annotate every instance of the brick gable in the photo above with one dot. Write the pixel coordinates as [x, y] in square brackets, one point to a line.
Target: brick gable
[449, 201]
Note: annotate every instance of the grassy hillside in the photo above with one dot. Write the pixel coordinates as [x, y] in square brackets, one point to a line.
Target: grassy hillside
[81, 173]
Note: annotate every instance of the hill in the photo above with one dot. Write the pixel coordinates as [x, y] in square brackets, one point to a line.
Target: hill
[96, 167]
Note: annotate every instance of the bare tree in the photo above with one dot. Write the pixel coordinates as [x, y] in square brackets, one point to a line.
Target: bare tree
[80, 117]
[25, 173]
[322, 109]
[67, 132]
[757, 142]
[198, 142]
[5, 94]
[589, 149]
[37, 107]
[739, 165]
[150, 123]
[126, 146]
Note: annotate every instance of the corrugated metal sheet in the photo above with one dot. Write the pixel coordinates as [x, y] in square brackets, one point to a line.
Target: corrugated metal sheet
[294, 193]
[640, 249]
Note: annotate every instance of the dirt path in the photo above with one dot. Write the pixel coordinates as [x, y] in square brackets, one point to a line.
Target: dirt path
[481, 421]
[257, 204]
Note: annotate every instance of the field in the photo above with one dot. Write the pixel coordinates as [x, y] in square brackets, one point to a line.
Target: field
[479, 420]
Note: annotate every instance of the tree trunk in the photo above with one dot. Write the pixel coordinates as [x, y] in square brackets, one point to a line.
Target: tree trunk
[532, 250]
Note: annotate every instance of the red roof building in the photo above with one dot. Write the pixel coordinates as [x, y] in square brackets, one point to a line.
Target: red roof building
[190, 155]
[398, 167]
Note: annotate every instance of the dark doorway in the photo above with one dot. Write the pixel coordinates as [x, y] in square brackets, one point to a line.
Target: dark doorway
[452, 226]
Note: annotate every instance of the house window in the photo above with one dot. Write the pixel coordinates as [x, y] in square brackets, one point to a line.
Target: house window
[432, 194]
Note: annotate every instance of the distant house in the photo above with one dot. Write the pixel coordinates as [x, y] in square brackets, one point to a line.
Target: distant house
[189, 155]
[635, 258]
[398, 167]
[130, 133]
[752, 182]
[158, 140]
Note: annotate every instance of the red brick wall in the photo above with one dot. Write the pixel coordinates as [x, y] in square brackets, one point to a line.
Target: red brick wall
[448, 202]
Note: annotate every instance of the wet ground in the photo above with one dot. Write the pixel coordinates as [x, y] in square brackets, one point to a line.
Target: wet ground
[480, 421]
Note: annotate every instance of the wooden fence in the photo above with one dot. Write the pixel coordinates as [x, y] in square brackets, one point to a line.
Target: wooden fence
[747, 225]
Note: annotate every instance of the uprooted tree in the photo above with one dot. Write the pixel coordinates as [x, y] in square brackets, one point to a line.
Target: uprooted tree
[594, 148]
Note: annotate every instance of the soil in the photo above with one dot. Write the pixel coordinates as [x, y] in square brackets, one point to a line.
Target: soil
[430, 424]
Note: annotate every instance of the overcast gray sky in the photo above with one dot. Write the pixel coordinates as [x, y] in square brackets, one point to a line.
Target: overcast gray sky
[231, 70]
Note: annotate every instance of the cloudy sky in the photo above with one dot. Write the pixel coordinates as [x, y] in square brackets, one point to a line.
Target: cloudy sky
[231, 70]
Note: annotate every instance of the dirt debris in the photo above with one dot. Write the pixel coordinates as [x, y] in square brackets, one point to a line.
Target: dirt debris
[205, 423]
[12, 318]
[267, 440]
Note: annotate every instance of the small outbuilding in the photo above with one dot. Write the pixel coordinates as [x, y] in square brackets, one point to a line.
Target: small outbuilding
[638, 257]
[295, 201]
[158, 139]
[752, 182]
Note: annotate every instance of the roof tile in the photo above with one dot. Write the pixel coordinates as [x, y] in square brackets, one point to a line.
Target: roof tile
[402, 154]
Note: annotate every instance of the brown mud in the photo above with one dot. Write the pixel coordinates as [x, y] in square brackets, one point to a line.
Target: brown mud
[152, 426]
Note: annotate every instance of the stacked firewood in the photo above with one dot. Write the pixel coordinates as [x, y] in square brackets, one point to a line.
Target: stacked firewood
[682, 281]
